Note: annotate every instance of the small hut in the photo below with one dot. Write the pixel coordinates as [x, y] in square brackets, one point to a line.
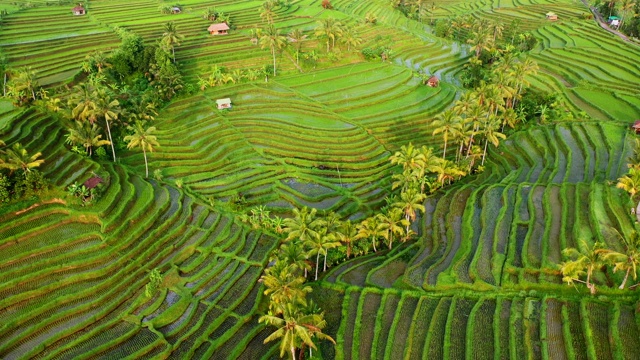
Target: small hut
[176, 10]
[636, 126]
[552, 16]
[78, 10]
[224, 103]
[92, 182]
[218, 29]
[433, 81]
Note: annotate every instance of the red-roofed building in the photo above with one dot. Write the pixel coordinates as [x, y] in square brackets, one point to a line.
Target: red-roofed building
[92, 182]
[78, 10]
[636, 126]
[433, 81]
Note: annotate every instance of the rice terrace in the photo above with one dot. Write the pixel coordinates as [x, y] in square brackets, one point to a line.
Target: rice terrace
[320, 179]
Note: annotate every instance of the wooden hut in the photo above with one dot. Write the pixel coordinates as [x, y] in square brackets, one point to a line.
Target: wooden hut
[433, 81]
[218, 29]
[224, 103]
[636, 126]
[176, 10]
[78, 10]
[552, 16]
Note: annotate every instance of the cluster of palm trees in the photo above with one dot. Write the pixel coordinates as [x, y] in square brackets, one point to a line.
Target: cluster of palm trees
[481, 115]
[220, 76]
[627, 9]
[587, 260]
[329, 30]
[417, 9]
[299, 321]
[22, 86]
[93, 107]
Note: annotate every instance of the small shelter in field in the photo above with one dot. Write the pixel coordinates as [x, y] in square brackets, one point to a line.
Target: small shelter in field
[224, 103]
[218, 29]
[552, 16]
[78, 10]
[433, 81]
[176, 10]
[92, 182]
[636, 126]
[614, 21]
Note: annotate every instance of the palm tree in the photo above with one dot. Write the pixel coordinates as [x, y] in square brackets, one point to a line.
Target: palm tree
[284, 287]
[411, 201]
[579, 260]
[370, 229]
[18, 158]
[328, 242]
[346, 233]
[627, 261]
[318, 244]
[142, 138]
[447, 171]
[210, 14]
[329, 29]
[351, 38]
[295, 328]
[303, 225]
[491, 134]
[448, 124]
[391, 223]
[625, 8]
[267, 13]
[630, 182]
[83, 103]
[87, 135]
[426, 166]
[271, 38]
[171, 37]
[294, 255]
[24, 82]
[409, 157]
[108, 110]
[296, 37]
[480, 40]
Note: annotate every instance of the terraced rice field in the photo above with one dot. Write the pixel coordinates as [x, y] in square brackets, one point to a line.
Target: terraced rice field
[480, 282]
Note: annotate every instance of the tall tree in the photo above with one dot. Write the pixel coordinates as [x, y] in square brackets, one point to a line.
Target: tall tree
[297, 37]
[18, 158]
[303, 225]
[295, 328]
[411, 202]
[271, 38]
[329, 29]
[586, 258]
[491, 134]
[108, 109]
[369, 228]
[87, 135]
[391, 223]
[447, 123]
[626, 261]
[142, 137]
[346, 233]
[171, 37]
[283, 286]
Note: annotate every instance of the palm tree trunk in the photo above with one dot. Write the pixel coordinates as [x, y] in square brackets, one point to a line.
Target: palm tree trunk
[325, 261]
[293, 352]
[390, 239]
[486, 142]
[373, 242]
[349, 249]
[146, 165]
[173, 51]
[113, 150]
[408, 222]
[624, 282]
[317, 262]
[273, 52]
[4, 85]
[444, 153]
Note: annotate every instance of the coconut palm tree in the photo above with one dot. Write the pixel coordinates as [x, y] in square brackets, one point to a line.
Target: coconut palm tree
[295, 328]
[210, 14]
[447, 123]
[22, 84]
[297, 37]
[87, 135]
[318, 244]
[408, 157]
[411, 202]
[18, 158]
[142, 137]
[346, 233]
[479, 41]
[370, 229]
[283, 286]
[625, 8]
[491, 134]
[293, 254]
[351, 38]
[627, 261]
[171, 37]
[303, 225]
[107, 109]
[586, 257]
[266, 12]
[83, 103]
[271, 38]
[391, 223]
[329, 29]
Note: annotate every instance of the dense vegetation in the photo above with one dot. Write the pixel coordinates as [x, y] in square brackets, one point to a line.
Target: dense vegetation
[342, 208]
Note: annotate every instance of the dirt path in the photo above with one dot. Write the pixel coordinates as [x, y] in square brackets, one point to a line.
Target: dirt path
[604, 25]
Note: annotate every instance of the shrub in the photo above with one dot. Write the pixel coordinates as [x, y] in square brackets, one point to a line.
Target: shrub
[29, 185]
[5, 189]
